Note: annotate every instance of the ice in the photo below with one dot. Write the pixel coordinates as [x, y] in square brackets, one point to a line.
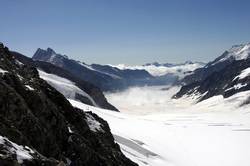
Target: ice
[214, 132]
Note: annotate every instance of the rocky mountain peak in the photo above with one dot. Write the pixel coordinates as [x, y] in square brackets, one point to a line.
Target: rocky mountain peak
[50, 51]
[49, 55]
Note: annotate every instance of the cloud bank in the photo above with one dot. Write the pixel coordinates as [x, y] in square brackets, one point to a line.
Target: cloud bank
[143, 100]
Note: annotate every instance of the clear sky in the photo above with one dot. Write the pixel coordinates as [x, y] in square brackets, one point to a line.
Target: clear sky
[126, 31]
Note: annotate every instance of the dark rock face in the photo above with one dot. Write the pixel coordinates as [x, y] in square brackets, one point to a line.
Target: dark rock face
[34, 114]
[87, 87]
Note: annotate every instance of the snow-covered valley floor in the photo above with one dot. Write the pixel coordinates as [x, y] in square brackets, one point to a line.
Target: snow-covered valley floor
[176, 132]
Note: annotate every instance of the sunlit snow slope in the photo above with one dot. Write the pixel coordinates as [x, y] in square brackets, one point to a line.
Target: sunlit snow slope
[214, 132]
[64, 86]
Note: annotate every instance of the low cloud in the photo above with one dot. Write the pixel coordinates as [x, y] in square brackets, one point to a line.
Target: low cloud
[143, 100]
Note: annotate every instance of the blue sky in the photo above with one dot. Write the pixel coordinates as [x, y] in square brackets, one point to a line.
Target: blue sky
[126, 31]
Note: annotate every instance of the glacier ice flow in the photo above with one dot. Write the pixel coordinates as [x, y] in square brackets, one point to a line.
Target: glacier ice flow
[178, 132]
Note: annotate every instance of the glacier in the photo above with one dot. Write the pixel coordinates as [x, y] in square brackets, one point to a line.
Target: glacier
[179, 132]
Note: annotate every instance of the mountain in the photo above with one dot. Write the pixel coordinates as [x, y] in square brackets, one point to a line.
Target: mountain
[235, 53]
[169, 73]
[105, 77]
[40, 127]
[226, 75]
[82, 91]
[120, 77]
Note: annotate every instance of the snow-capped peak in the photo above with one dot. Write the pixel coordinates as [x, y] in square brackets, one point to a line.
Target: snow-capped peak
[240, 51]
[48, 55]
[236, 52]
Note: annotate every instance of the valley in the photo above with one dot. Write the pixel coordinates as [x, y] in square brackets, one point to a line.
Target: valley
[125, 83]
[171, 132]
[188, 114]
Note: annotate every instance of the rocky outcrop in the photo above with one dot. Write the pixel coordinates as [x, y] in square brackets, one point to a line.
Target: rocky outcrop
[38, 126]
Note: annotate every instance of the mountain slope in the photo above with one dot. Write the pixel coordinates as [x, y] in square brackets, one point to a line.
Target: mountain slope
[105, 77]
[236, 52]
[112, 78]
[226, 75]
[39, 126]
[180, 133]
[94, 92]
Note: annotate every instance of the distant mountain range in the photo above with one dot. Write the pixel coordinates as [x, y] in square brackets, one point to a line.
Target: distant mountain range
[165, 69]
[226, 75]
[111, 78]
[105, 77]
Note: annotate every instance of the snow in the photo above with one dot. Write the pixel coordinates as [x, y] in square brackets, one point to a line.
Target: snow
[70, 130]
[64, 86]
[22, 152]
[3, 71]
[179, 70]
[237, 86]
[20, 77]
[245, 73]
[29, 87]
[237, 52]
[19, 63]
[171, 132]
[52, 57]
[94, 125]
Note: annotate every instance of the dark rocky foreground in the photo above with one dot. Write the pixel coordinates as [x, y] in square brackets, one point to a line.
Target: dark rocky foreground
[37, 118]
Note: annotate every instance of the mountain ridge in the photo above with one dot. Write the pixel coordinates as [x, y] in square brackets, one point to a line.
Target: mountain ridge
[87, 87]
[106, 77]
[37, 120]
[221, 76]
